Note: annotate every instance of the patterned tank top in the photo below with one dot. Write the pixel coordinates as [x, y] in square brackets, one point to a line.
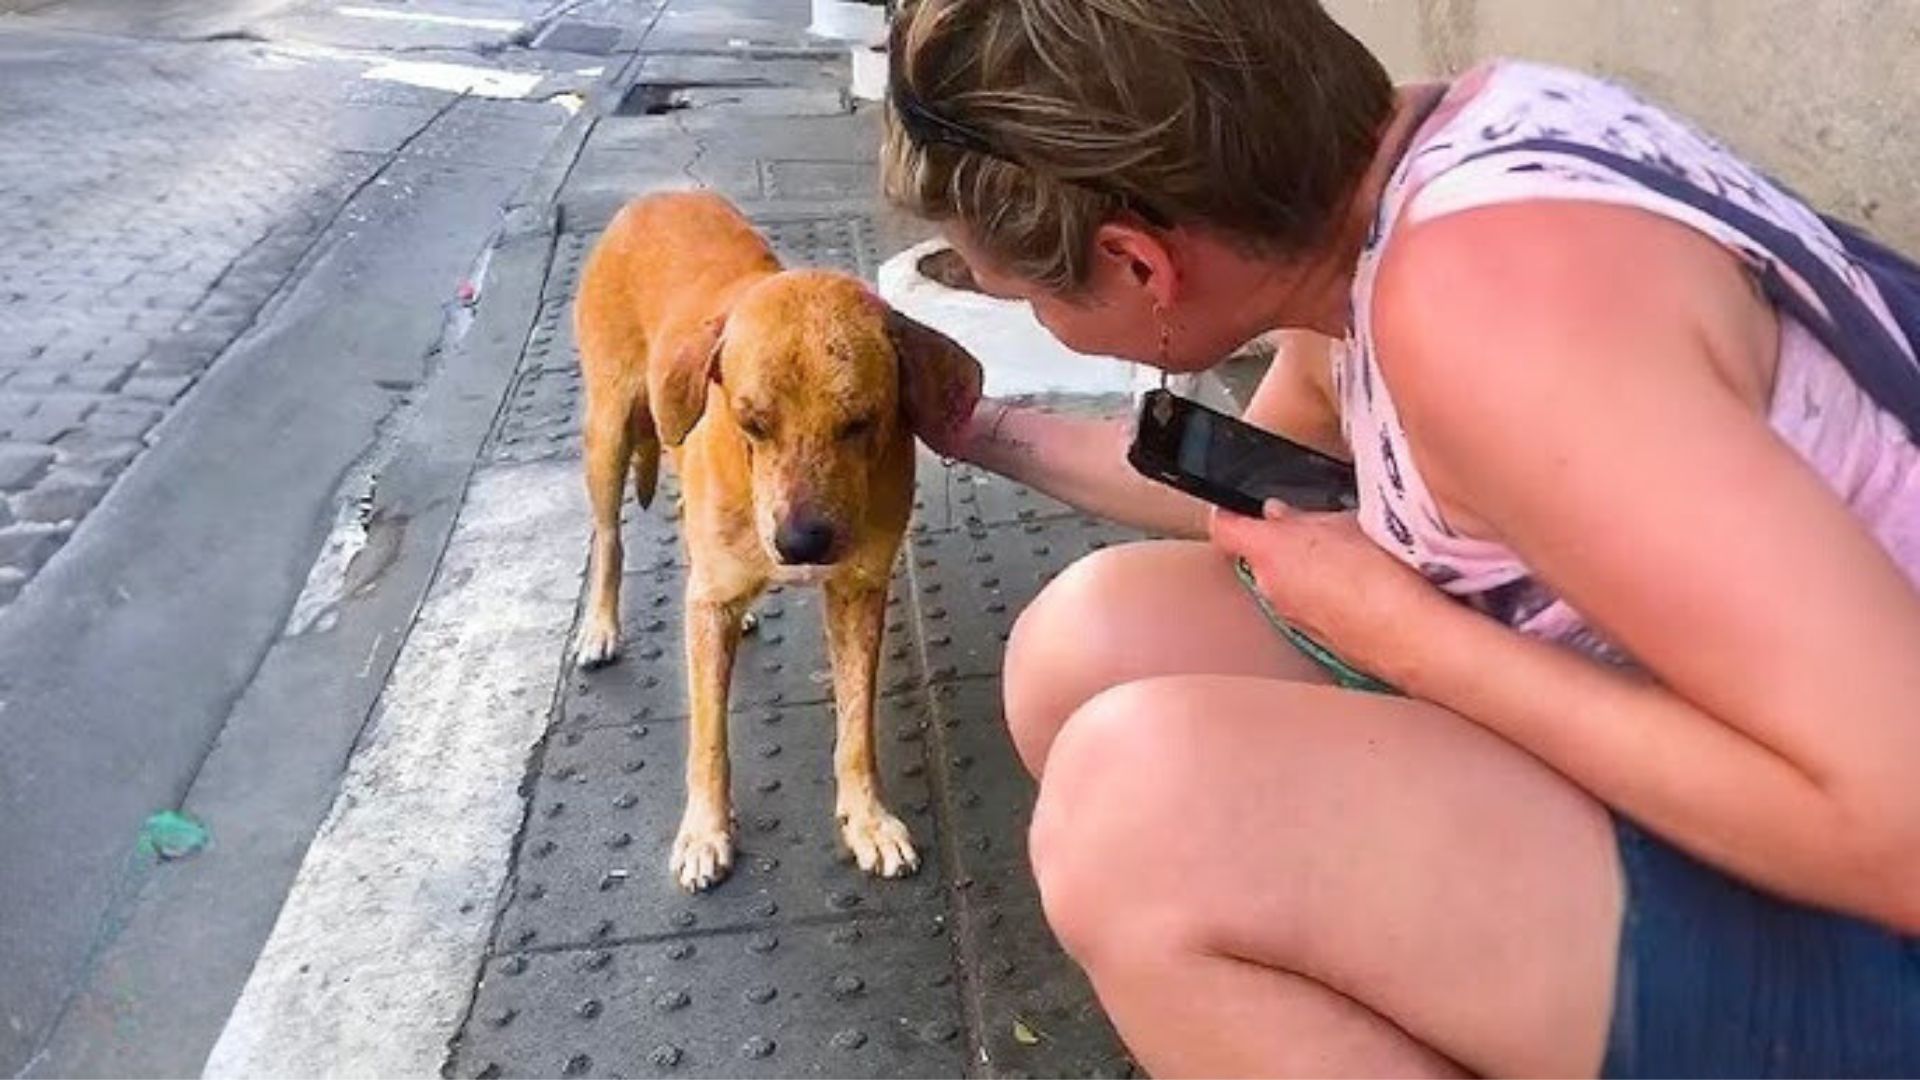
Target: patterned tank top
[1501, 135]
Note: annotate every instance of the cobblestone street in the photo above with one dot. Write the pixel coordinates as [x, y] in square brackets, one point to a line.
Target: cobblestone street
[158, 194]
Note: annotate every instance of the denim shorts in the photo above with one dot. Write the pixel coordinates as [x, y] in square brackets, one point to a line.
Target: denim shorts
[1719, 979]
[1715, 978]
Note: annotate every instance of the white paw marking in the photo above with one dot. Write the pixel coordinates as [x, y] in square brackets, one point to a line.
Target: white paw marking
[597, 645]
[702, 853]
[880, 843]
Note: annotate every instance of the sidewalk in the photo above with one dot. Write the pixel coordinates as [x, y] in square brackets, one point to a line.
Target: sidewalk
[489, 894]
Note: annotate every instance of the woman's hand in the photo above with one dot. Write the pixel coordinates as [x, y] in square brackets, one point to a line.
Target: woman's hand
[1322, 575]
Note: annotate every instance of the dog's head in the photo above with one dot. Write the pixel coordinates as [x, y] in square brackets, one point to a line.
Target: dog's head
[817, 376]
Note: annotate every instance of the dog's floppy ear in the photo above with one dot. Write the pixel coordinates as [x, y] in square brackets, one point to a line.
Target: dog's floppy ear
[677, 380]
[939, 380]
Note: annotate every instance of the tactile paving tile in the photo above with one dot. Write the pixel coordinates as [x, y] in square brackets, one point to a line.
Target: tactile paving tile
[602, 966]
[848, 997]
[990, 796]
[593, 858]
[577, 36]
[962, 496]
[1038, 1014]
[806, 181]
[782, 662]
[569, 253]
[980, 578]
[540, 420]
[844, 242]
[551, 345]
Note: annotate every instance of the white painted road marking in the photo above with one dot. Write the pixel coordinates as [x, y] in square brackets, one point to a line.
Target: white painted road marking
[377, 949]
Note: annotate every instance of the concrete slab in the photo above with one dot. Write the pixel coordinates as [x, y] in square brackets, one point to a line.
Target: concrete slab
[740, 68]
[733, 25]
[850, 997]
[481, 131]
[851, 137]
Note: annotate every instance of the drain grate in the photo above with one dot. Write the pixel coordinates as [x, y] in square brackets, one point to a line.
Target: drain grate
[652, 99]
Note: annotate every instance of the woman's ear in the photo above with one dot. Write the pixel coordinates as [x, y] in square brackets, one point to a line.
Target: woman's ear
[1129, 256]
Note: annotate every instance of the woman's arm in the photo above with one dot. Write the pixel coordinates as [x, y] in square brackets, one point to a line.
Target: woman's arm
[1295, 397]
[1604, 436]
[1081, 461]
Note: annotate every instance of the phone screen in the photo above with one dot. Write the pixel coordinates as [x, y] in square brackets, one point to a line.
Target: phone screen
[1231, 463]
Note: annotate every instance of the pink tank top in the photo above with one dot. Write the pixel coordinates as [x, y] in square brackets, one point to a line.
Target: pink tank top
[1863, 453]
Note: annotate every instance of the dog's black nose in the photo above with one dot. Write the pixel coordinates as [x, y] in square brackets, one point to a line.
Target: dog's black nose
[804, 540]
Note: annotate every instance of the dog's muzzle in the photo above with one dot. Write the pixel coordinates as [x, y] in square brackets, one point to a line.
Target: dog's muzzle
[805, 540]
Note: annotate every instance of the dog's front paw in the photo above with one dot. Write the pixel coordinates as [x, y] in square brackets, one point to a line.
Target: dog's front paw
[703, 852]
[598, 643]
[879, 842]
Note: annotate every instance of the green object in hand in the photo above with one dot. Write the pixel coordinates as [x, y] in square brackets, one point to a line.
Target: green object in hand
[1344, 674]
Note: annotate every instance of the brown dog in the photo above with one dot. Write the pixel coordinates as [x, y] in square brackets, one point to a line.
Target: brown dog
[785, 399]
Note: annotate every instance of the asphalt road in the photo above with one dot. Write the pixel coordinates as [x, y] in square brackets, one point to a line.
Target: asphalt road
[237, 407]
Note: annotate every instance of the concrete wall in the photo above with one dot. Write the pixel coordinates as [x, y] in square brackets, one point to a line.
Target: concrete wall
[1825, 94]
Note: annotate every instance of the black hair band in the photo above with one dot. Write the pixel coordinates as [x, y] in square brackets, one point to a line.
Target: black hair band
[924, 127]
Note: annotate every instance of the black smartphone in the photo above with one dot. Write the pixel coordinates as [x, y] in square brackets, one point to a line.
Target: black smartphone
[1231, 463]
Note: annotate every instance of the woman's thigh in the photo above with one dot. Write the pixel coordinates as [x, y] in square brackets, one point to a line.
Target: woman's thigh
[1136, 611]
[1387, 849]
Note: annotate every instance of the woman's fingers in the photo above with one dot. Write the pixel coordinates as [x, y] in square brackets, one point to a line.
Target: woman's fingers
[1250, 536]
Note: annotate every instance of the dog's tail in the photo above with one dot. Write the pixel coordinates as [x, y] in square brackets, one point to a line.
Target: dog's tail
[646, 452]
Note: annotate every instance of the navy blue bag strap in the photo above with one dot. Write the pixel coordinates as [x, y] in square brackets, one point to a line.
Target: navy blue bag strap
[1848, 328]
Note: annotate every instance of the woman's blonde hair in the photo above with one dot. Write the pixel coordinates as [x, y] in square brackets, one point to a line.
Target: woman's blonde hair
[1049, 117]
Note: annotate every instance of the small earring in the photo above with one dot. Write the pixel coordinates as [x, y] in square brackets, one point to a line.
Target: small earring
[1166, 337]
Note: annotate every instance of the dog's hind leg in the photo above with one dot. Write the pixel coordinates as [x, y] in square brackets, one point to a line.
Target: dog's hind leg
[856, 610]
[703, 850]
[609, 444]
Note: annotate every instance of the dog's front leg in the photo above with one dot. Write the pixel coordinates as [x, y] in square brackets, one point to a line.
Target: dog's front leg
[878, 840]
[703, 852]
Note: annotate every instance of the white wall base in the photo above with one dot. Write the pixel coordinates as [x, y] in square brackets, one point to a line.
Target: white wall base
[862, 24]
[1018, 354]
[869, 72]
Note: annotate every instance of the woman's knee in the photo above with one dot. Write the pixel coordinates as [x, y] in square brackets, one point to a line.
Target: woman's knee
[1110, 797]
[1066, 646]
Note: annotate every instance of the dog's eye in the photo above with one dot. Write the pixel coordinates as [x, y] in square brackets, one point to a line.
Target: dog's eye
[754, 428]
[854, 429]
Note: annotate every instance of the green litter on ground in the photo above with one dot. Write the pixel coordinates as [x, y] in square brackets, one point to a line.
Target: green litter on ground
[173, 835]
